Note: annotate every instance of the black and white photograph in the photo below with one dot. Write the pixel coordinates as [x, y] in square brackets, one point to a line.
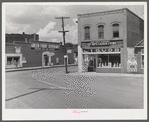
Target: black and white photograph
[74, 61]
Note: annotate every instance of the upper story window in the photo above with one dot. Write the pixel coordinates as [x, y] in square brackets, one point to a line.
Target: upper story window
[100, 31]
[87, 32]
[115, 30]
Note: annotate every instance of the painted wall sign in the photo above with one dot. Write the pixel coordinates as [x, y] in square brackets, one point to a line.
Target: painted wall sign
[43, 46]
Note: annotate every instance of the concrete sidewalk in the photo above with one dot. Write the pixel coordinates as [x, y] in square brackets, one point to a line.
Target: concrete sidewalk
[40, 67]
[107, 74]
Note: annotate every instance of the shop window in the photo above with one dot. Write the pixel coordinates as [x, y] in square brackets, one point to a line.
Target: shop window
[115, 30]
[109, 60]
[86, 32]
[142, 58]
[12, 60]
[100, 31]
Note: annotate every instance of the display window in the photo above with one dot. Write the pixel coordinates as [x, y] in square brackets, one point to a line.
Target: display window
[108, 60]
[12, 60]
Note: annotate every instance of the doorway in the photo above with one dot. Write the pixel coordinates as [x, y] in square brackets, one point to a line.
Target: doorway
[46, 60]
[92, 64]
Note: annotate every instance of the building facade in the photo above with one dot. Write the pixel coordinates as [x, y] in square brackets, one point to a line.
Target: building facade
[106, 41]
[36, 54]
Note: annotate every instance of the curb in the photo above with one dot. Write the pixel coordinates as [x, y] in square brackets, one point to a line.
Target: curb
[34, 68]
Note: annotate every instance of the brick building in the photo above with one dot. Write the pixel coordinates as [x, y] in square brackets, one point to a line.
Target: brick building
[10, 38]
[106, 41]
[36, 53]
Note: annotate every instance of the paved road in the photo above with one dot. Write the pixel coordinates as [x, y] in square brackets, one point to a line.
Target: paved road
[55, 89]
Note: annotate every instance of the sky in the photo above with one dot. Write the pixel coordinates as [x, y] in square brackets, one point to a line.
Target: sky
[40, 19]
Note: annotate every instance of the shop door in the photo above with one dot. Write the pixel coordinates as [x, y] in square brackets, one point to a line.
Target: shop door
[92, 65]
[46, 59]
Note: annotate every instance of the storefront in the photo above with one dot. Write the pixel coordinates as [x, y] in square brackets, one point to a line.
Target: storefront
[103, 56]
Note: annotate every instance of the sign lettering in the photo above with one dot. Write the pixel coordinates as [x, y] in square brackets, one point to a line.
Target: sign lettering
[44, 46]
[103, 50]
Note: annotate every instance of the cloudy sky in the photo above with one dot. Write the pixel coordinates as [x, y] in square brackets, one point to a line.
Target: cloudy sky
[40, 18]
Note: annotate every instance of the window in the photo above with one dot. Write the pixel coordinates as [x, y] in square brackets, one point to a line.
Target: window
[115, 30]
[100, 31]
[109, 60]
[87, 32]
[142, 58]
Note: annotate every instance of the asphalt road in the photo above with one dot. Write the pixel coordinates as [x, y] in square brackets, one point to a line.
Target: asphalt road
[54, 89]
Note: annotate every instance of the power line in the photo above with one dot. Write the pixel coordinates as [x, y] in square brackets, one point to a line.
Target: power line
[63, 31]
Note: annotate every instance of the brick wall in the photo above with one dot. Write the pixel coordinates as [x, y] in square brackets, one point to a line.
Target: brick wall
[34, 57]
[135, 29]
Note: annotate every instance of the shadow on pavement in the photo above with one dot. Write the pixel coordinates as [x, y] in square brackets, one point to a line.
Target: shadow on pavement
[39, 89]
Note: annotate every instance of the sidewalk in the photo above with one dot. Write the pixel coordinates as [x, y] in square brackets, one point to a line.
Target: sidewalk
[108, 74]
[34, 68]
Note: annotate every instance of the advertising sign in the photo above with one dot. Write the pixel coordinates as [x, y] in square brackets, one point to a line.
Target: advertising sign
[43, 46]
[132, 65]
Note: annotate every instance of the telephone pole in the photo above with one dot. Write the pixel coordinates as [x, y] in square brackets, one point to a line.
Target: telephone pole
[63, 31]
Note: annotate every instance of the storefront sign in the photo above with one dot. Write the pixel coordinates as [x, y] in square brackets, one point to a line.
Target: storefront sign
[101, 43]
[44, 46]
[103, 50]
[108, 50]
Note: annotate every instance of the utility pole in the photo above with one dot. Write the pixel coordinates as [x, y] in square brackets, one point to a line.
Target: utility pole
[63, 31]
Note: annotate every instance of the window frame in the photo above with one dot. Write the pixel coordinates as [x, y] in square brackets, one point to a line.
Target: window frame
[87, 37]
[102, 32]
[117, 31]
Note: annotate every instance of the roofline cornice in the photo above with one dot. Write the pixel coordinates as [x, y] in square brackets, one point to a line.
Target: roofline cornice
[118, 11]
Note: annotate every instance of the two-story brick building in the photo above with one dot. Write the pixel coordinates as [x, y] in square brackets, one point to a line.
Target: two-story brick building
[106, 40]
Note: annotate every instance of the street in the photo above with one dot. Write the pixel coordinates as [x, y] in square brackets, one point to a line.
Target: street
[52, 88]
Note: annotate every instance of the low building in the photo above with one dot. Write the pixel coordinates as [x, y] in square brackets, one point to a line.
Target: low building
[106, 41]
[10, 38]
[36, 53]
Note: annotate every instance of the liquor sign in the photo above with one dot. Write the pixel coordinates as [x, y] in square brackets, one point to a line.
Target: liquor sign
[44, 46]
[108, 50]
[103, 50]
